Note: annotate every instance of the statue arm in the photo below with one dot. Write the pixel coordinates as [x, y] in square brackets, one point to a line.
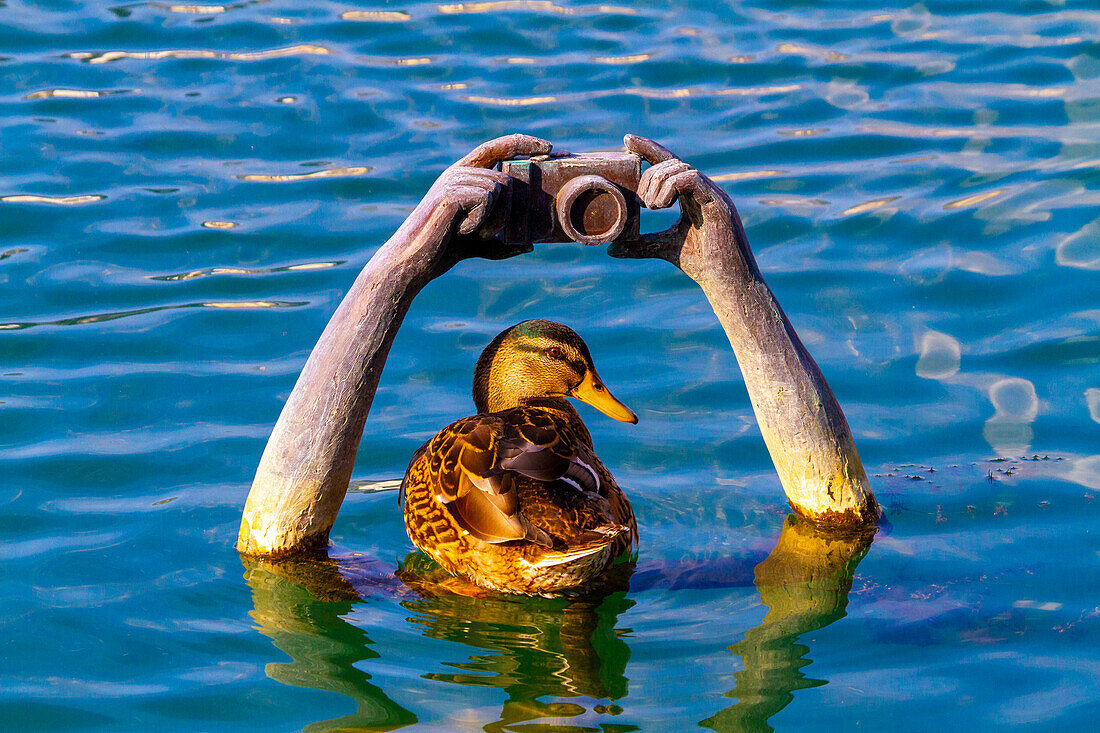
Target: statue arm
[802, 424]
[303, 474]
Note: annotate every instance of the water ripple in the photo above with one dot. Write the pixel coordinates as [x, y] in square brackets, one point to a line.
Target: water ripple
[302, 49]
[59, 200]
[919, 183]
[114, 316]
[534, 6]
[328, 173]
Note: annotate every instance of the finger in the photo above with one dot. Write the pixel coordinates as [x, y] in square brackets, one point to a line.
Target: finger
[497, 216]
[653, 177]
[469, 173]
[491, 248]
[463, 179]
[480, 201]
[672, 186]
[659, 245]
[490, 153]
[653, 152]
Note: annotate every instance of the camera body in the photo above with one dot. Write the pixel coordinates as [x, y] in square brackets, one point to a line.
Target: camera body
[588, 198]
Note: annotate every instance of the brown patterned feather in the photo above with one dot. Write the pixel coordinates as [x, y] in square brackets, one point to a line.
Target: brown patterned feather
[514, 498]
[519, 482]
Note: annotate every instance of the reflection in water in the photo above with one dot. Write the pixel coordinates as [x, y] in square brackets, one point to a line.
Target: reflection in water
[1009, 431]
[804, 582]
[638, 91]
[342, 172]
[1092, 399]
[303, 49]
[541, 6]
[300, 606]
[61, 200]
[940, 356]
[528, 647]
[1080, 249]
[536, 648]
[377, 16]
[103, 317]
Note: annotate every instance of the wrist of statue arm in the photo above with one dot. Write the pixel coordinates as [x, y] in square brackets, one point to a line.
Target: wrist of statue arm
[716, 254]
[419, 250]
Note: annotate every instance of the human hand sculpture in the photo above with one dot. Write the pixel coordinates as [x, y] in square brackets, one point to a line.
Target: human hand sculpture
[800, 419]
[709, 238]
[466, 207]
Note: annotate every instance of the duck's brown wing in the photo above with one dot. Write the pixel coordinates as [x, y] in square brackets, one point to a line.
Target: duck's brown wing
[464, 474]
[538, 445]
[475, 463]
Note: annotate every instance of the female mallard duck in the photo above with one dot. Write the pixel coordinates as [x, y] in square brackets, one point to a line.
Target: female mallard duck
[514, 498]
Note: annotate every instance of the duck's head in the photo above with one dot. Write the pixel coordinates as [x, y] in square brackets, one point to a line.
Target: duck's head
[537, 359]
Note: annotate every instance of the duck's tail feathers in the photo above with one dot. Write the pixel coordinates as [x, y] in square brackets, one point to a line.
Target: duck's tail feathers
[588, 543]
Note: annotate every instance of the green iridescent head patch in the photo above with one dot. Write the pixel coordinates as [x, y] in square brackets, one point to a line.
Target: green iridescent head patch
[530, 330]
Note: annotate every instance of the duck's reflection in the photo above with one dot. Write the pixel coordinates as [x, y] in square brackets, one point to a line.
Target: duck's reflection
[546, 648]
[528, 647]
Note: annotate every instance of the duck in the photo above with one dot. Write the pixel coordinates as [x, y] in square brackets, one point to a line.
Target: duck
[514, 498]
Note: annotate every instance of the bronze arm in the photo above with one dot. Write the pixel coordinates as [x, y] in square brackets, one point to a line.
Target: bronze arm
[802, 423]
[304, 471]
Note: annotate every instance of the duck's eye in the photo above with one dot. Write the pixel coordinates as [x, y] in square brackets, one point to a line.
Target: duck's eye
[554, 352]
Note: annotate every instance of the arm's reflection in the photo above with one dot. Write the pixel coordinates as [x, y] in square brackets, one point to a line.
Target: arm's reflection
[804, 582]
[300, 605]
[537, 648]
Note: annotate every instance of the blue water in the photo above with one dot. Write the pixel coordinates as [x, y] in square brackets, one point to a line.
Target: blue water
[187, 192]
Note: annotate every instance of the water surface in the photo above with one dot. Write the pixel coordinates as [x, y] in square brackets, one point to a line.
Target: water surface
[188, 190]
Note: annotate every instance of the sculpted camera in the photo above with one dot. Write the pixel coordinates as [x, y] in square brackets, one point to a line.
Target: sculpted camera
[588, 198]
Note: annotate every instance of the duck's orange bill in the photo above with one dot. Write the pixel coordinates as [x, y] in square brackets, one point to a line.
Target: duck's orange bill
[592, 391]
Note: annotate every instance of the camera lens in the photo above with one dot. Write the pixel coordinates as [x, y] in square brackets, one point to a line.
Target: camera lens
[591, 210]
